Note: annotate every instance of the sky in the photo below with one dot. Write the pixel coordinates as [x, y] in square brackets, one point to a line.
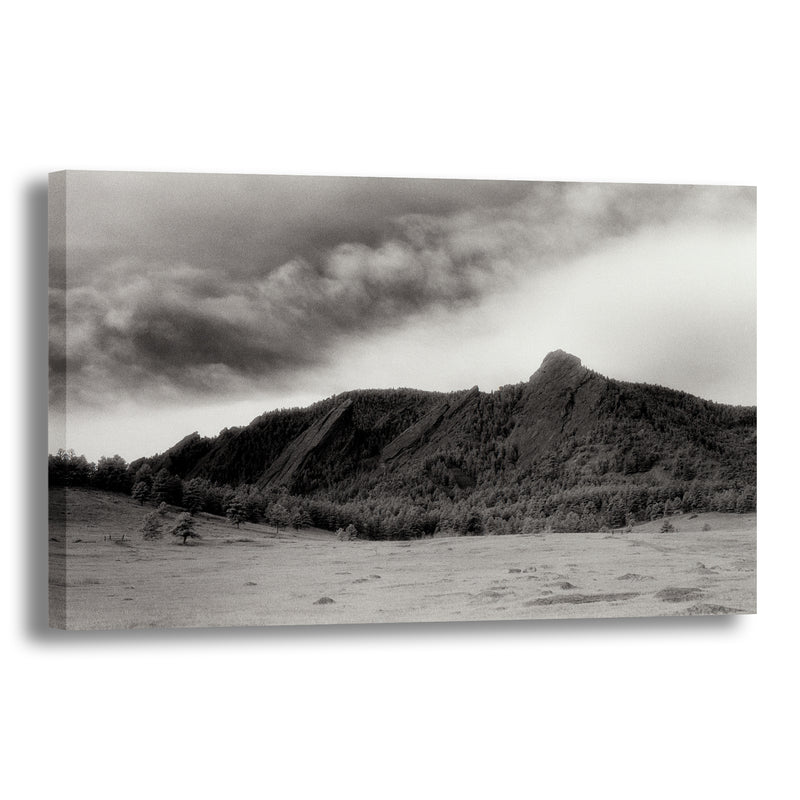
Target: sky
[195, 302]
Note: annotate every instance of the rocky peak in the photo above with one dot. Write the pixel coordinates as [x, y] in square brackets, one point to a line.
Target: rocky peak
[558, 365]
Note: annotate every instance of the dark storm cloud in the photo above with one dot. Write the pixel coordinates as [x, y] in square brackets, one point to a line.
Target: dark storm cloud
[247, 224]
[192, 284]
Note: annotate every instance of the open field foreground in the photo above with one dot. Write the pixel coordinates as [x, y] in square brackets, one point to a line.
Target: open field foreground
[251, 576]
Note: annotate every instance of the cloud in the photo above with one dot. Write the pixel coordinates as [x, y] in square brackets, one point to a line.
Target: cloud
[671, 305]
[185, 287]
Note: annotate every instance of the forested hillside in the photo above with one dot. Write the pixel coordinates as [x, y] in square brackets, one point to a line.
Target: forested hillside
[567, 450]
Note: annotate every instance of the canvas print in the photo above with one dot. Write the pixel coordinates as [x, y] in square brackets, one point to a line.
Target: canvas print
[296, 400]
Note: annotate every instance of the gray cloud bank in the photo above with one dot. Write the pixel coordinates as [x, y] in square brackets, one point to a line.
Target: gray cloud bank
[182, 286]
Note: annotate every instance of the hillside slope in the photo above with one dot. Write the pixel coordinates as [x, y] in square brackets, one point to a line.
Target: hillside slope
[566, 442]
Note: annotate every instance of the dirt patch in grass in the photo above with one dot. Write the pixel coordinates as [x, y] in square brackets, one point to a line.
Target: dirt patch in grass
[581, 598]
[702, 569]
[704, 609]
[679, 594]
[493, 594]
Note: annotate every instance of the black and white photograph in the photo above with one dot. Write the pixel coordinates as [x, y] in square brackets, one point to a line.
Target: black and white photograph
[399, 400]
[291, 400]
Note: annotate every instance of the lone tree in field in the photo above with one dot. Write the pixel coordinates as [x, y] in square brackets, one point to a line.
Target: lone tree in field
[185, 527]
[235, 513]
[151, 526]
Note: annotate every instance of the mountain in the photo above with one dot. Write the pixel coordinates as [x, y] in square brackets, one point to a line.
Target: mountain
[568, 448]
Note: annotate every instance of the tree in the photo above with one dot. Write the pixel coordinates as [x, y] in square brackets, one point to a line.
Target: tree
[151, 525]
[615, 514]
[194, 496]
[279, 515]
[112, 474]
[167, 488]
[235, 513]
[216, 498]
[301, 519]
[414, 523]
[66, 468]
[161, 486]
[144, 475]
[471, 524]
[185, 527]
[348, 533]
[532, 526]
[251, 501]
[673, 506]
[567, 524]
[140, 492]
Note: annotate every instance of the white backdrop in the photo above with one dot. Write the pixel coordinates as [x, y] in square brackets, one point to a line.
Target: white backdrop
[691, 92]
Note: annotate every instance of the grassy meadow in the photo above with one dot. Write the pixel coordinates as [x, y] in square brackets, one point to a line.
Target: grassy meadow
[111, 577]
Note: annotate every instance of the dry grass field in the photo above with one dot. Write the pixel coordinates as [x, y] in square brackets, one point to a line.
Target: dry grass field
[253, 576]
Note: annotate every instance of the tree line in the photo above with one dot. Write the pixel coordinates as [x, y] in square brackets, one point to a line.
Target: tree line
[412, 506]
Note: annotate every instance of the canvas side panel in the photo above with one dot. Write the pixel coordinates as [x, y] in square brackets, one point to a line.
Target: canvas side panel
[57, 407]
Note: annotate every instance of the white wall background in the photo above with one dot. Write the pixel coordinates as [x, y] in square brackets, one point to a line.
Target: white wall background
[681, 92]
